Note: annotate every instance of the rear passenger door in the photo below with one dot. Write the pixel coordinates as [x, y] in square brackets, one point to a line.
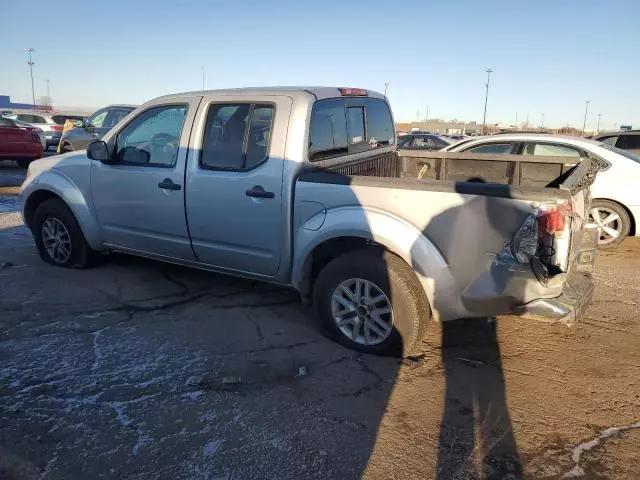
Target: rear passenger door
[234, 191]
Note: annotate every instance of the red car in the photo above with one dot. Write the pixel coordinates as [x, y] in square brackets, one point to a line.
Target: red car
[19, 143]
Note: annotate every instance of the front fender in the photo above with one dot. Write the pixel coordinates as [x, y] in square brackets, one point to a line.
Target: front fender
[397, 236]
[56, 182]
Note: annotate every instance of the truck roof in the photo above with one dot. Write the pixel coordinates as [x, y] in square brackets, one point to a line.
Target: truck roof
[318, 92]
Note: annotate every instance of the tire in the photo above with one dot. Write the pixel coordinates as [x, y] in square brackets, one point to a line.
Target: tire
[611, 216]
[46, 218]
[66, 148]
[410, 311]
[24, 162]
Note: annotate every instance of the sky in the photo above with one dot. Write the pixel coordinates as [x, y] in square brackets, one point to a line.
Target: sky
[548, 57]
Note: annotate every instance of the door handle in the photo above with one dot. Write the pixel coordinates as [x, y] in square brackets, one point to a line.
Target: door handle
[258, 192]
[167, 184]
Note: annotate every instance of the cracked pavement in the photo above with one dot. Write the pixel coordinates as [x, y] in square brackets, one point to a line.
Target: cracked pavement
[140, 370]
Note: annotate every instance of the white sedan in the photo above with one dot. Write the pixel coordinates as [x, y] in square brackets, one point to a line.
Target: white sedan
[616, 191]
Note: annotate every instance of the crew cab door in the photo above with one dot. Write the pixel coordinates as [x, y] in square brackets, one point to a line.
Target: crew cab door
[139, 197]
[234, 188]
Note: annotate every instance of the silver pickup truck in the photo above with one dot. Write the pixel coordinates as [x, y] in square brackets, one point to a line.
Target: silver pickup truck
[304, 187]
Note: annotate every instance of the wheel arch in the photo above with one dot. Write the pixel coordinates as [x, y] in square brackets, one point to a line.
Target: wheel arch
[633, 226]
[342, 232]
[53, 185]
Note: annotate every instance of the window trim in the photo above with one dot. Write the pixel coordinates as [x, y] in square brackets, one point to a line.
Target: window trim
[114, 155]
[245, 142]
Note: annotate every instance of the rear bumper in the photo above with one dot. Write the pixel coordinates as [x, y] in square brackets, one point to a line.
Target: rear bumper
[568, 307]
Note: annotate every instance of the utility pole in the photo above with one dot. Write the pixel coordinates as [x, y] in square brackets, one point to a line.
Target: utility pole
[542, 124]
[426, 116]
[203, 78]
[386, 85]
[486, 97]
[517, 120]
[31, 63]
[586, 109]
[527, 119]
[48, 93]
[598, 127]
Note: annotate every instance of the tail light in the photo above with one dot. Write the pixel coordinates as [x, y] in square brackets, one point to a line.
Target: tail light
[57, 128]
[353, 92]
[545, 237]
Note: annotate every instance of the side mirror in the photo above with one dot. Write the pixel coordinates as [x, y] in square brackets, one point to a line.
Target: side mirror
[97, 150]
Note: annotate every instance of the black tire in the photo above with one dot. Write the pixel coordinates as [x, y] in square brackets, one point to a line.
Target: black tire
[24, 162]
[81, 255]
[410, 307]
[622, 225]
[66, 148]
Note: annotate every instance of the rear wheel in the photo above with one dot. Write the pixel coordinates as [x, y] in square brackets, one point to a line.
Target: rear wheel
[371, 300]
[59, 238]
[66, 148]
[24, 162]
[612, 221]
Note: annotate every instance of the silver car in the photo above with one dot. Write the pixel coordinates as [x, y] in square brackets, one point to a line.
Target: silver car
[51, 124]
[93, 128]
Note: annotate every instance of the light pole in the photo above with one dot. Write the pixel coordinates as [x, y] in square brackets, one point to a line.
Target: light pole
[386, 85]
[30, 63]
[426, 115]
[48, 93]
[586, 109]
[599, 118]
[486, 97]
[542, 124]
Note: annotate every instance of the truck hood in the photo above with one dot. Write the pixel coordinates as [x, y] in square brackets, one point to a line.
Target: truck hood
[57, 161]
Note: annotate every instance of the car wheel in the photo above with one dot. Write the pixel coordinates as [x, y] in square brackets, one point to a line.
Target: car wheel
[66, 148]
[371, 301]
[612, 221]
[24, 162]
[58, 236]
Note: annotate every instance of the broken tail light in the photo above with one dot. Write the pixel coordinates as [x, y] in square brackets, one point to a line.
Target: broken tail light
[57, 128]
[545, 237]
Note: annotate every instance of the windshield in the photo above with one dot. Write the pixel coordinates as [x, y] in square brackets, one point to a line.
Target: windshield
[619, 151]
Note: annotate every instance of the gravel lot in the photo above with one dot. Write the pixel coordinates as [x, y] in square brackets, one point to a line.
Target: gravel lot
[141, 370]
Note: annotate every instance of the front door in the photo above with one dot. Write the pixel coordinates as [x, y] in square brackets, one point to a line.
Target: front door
[234, 189]
[139, 199]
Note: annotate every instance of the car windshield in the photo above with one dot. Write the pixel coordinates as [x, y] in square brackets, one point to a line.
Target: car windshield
[619, 151]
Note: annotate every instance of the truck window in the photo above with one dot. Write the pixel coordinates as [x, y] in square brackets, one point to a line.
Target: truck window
[227, 145]
[355, 123]
[328, 130]
[153, 137]
[380, 128]
[369, 126]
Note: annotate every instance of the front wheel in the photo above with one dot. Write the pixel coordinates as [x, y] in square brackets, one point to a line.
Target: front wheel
[612, 221]
[371, 301]
[59, 238]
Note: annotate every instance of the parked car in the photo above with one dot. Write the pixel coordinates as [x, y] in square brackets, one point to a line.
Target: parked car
[93, 128]
[628, 140]
[283, 185]
[50, 123]
[424, 141]
[616, 206]
[20, 143]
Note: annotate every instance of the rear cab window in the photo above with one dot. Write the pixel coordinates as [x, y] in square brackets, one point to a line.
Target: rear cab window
[348, 125]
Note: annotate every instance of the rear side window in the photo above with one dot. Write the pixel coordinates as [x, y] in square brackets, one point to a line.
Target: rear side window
[6, 122]
[550, 150]
[629, 142]
[236, 136]
[341, 126]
